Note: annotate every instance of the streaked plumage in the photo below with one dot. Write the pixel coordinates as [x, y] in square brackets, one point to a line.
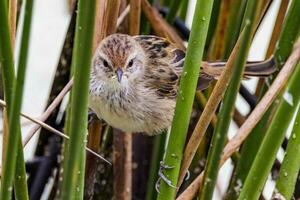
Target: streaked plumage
[134, 81]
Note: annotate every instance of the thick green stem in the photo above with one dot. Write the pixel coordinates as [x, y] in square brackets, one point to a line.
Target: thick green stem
[173, 9]
[289, 33]
[183, 9]
[233, 27]
[185, 96]
[290, 166]
[224, 117]
[261, 166]
[157, 156]
[253, 142]
[13, 93]
[73, 182]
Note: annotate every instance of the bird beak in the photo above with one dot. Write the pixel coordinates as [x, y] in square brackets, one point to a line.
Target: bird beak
[119, 74]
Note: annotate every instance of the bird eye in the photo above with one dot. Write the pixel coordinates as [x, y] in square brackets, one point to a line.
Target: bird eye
[130, 63]
[105, 63]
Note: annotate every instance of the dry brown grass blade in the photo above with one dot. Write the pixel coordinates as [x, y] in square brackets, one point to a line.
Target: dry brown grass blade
[71, 5]
[253, 118]
[12, 8]
[48, 112]
[238, 118]
[216, 50]
[111, 17]
[99, 23]
[207, 115]
[93, 142]
[122, 159]
[134, 17]
[160, 26]
[123, 15]
[202, 99]
[274, 38]
[52, 130]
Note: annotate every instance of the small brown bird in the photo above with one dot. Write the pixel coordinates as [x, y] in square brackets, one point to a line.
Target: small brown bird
[135, 79]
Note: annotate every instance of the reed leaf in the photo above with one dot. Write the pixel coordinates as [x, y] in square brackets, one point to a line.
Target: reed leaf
[289, 169]
[224, 117]
[14, 92]
[249, 150]
[81, 60]
[272, 141]
[233, 27]
[186, 95]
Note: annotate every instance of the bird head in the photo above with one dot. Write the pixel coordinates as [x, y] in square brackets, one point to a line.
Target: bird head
[118, 59]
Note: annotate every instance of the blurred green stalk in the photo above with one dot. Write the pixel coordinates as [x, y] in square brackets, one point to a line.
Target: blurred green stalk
[13, 93]
[185, 97]
[251, 145]
[183, 9]
[157, 156]
[290, 166]
[233, 27]
[224, 116]
[173, 10]
[261, 166]
[73, 183]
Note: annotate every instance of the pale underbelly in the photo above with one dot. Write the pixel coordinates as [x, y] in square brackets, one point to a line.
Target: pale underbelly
[129, 122]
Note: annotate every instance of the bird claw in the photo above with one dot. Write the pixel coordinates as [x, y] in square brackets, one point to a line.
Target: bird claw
[163, 177]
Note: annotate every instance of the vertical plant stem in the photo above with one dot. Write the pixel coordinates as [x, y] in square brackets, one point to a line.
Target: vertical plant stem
[207, 114]
[224, 117]
[233, 27]
[290, 166]
[212, 25]
[272, 141]
[134, 17]
[251, 145]
[183, 9]
[78, 118]
[20, 184]
[145, 26]
[186, 95]
[111, 17]
[14, 93]
[157, 155]
[173, 9]
[216, 49]
[289, 33]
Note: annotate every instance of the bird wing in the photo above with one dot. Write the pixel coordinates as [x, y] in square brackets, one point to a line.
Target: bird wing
[165, 64]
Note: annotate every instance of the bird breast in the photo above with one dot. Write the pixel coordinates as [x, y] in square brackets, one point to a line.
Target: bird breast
[131, 109]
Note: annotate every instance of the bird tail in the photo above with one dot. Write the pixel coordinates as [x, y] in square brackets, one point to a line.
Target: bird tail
[253, 68]
[212, 70]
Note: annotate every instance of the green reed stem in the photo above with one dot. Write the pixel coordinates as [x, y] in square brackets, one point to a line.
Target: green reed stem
[20, 185]
[73, 182]
[289, 33]
[183, 9]
[185, 96]
[145, 26]
[253, 142]
[290, 166]
[157, 156]
[13, 92]
[212, 25]
[233, 28]
[224, 117]
[261, 166]
[173, 10]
